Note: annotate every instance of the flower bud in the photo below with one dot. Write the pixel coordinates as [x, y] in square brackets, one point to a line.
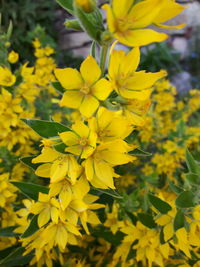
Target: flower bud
[87, 6]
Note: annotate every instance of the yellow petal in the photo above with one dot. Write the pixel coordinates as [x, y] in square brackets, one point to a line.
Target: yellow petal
[78, 205]
[43, 170]
[61, 237]
[144, 13]
[54, 214]
[48, 155]
[65, 197]
[110, 18]
[81, 129]
[90, 64]
[168, 231]
[141, 37]
[58, 170]
[81, 188]
[130, 61]
[89, 106]
[92, 218]
[102, 89]
[165, 250]
[104, 172]
[69, 78]
[75, 150]
[43, 217]
[71, 99]
[89, 169]
[169, 10]
[180, 26]
[122, 7]
[116, 58]
[69, 138]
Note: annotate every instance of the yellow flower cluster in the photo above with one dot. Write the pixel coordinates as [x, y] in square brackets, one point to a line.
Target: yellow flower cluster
[83, 161]
[18, 92]
[160, 245]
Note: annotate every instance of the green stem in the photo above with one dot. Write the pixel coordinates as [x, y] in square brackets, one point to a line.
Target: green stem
[103, 57]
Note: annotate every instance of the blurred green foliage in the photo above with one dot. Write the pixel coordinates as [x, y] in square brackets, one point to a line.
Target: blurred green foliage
[26, 15]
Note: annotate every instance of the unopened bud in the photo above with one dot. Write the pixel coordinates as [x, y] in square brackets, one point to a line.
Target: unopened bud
[73, 24]
[87, 6]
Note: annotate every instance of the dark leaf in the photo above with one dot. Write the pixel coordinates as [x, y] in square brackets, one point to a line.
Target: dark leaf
[46, 129]
[159, 204]
[30, 190]
[147, 220]
[32, 228]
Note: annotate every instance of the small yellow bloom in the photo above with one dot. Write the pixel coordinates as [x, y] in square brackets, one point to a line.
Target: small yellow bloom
[6, 77]
[99, 167]
[81, 141]
[13, 57]
[124, 78]
[84, 89]
[47, 208]
[106, 125]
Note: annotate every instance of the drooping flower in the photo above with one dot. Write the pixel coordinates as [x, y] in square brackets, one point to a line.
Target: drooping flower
[128, 21]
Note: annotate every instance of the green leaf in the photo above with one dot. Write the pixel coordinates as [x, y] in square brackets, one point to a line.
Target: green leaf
[30, 190]
[58, 87]
[16, 258]
[60, 148]
[109, 192]
[28, 162]
[32, 228]
[46, 129]
[176, 189]
[140, 153]
[66, 4]
[185, 200]
[191, 163]
[192, 178]
[179, 220]
[159, 204]
[147, 220]
[8, 231]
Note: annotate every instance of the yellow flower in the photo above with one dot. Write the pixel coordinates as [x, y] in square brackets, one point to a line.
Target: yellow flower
[99, 167]
[106, 125]
[81, 141]
[47, 208]
[6, 77]
[125, 80]
[128, 22]
[84, 89]
[57, 165]
[13, 57]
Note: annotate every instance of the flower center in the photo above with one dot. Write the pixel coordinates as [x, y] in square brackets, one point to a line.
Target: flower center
[83, 142]
[85, 89]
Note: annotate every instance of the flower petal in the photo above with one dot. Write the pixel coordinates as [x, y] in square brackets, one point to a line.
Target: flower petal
[71, 99]
[102, 89]
[90, 70]
[69, 78]
[89, 106]
[141, 37]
